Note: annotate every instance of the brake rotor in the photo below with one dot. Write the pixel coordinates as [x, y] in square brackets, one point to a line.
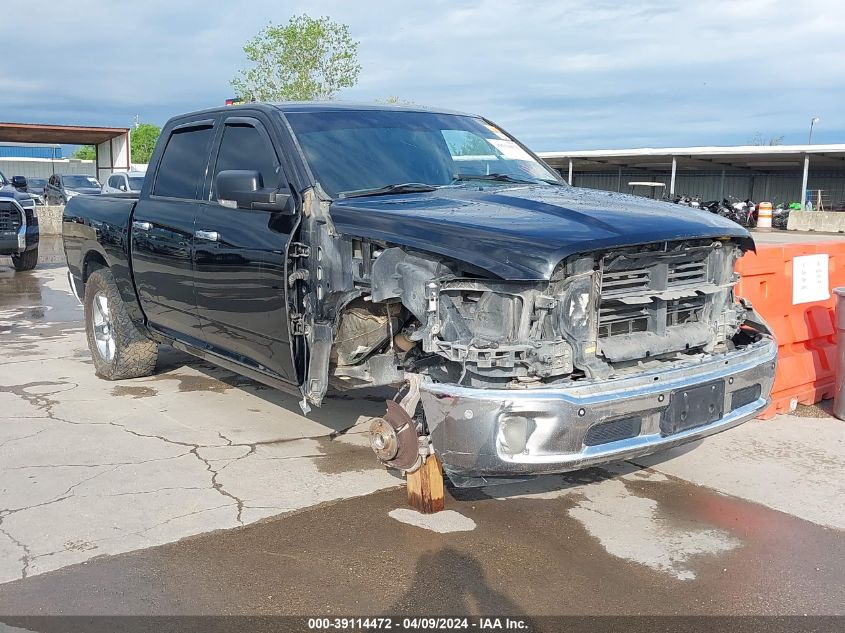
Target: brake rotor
[394, 438]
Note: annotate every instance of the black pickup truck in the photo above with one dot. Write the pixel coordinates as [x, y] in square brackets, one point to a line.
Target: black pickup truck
[529, 326]
[18, 224]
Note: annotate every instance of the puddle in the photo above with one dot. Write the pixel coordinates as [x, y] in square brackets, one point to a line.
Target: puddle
[189, 382]
[133, 391]
[635, 529]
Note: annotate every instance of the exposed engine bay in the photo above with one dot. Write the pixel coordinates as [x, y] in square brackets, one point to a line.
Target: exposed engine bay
[600, 314]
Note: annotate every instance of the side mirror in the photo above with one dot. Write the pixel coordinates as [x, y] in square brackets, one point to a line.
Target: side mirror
[19, 182]
[244, 189]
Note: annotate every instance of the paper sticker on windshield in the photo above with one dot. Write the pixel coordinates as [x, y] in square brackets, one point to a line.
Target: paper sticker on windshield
[496, 131]
[509, 149]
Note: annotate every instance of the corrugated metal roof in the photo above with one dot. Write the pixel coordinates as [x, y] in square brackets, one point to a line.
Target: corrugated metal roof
[738, 158]
[731, 150]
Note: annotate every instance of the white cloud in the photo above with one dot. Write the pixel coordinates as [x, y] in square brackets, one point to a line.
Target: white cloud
[558, 74]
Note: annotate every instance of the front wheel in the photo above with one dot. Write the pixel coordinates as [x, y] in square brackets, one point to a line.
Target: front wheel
[26, 260]
[118, 348]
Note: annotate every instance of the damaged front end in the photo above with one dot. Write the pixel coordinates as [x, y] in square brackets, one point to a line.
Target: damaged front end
[619, 353]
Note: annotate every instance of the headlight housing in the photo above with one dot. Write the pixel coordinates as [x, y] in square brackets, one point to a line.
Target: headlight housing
[577, 315]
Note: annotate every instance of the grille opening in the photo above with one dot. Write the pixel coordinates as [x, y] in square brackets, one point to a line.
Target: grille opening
[687, 273]
[681, 311]
[744, 396]
[612, 431]
[616, 318]
[10, 219]
[623, 281]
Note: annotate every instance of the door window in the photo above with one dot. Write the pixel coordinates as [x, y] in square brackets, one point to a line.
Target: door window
[181, 170]
[246, 147]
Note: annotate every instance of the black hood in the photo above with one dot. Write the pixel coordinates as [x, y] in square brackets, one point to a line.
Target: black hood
[85, 191]
[523, 232]
[8, 191]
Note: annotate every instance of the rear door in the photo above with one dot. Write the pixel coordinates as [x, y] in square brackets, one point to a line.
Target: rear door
[163, 231]
[240, 256]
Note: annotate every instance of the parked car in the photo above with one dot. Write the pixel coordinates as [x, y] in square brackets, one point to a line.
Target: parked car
[18, 225]
[533, 327]
[124, 182]
[35, 188]
[62, 187]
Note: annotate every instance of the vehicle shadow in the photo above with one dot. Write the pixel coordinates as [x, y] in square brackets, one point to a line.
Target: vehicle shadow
[540, 486]
[340, 410]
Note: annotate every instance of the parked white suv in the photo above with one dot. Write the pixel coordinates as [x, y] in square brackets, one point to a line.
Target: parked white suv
[124, 182]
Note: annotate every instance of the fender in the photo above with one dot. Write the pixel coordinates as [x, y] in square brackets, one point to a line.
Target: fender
[95, 229]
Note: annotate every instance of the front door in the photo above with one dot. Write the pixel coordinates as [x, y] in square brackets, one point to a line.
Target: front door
[239, 259]
[163, 232]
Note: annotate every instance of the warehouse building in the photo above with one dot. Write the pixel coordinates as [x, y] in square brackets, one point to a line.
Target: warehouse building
[40, 161]
[777, 173]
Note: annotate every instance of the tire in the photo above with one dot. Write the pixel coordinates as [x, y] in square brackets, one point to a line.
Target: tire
[118, 348]
[26, 260]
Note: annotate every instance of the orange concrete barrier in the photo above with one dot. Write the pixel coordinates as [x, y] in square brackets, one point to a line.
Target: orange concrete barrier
[790, 286]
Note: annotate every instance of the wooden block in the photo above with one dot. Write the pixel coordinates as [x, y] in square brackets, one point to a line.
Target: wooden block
[425, 486]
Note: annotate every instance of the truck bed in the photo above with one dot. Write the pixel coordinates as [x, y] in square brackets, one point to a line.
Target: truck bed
[96, 232]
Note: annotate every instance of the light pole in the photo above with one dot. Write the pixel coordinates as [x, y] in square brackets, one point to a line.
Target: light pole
[813, 121]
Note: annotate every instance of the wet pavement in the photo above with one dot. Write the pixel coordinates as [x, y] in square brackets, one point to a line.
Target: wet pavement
[196, 491]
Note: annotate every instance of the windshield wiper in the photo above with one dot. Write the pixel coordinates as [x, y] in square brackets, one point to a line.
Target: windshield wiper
[497, 177]
[406, 187]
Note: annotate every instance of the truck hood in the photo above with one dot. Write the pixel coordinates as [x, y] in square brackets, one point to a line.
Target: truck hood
[523, 232]
[8, 191]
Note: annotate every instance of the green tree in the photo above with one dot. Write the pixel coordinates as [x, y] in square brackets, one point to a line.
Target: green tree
[144, 138]
[394, 100]
[757, 139]
[304, 60]
[86, 152]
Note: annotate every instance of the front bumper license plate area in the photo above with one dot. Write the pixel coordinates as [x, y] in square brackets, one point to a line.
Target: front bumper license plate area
[692, 407]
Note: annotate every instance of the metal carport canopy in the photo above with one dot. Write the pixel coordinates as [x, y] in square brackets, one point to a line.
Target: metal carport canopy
[741, 157]
[746, 159]
[111, 143]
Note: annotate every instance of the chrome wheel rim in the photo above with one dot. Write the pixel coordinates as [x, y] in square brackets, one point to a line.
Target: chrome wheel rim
[103, 329]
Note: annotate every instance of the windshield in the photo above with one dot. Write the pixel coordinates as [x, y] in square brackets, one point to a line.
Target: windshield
[136, 182]
[38, 183]
[368, 149]
[80, 182]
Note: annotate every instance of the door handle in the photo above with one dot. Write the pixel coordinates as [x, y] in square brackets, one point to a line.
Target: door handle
[142, 226]
[211, 236]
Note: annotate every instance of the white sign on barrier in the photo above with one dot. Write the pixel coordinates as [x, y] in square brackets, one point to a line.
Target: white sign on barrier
[810, 280]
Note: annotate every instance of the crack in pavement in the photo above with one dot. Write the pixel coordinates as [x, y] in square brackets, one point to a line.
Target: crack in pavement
[144, 461]
[45, 403]
[25, 437]
[26, 559]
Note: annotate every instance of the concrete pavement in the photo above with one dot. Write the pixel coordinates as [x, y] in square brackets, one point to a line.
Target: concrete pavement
[198, 491]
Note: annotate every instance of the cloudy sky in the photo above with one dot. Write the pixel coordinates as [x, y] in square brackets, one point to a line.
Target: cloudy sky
[559, 74]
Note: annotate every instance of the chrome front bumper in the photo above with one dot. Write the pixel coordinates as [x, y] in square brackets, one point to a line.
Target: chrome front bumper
[481, 433]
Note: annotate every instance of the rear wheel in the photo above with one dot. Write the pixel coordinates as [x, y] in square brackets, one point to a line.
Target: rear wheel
[118, 348]
[26, 260]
